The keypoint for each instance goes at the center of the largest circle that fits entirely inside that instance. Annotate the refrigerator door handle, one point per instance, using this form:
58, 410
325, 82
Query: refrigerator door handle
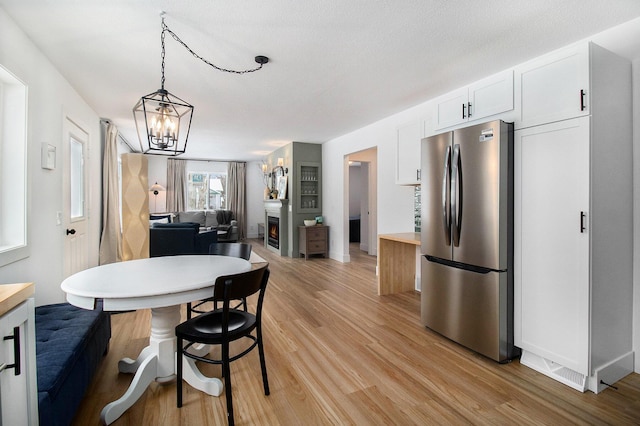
446, 185
456, 195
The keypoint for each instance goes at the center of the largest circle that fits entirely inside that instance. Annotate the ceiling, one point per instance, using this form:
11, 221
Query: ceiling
335, 65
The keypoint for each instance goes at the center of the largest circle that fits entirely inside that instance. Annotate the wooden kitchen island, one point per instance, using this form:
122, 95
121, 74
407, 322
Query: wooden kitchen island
398, 265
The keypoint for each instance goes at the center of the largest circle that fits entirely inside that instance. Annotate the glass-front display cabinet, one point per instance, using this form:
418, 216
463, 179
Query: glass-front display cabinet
309, 185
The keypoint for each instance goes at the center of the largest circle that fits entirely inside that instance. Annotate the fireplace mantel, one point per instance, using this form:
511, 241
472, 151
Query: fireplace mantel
273, 205
279, 209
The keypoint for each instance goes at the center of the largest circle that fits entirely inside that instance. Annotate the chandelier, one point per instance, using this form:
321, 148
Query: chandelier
163, 120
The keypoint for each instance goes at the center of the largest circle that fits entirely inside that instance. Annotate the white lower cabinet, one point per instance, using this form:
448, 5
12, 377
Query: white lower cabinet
573, 253
18, 384
552, 251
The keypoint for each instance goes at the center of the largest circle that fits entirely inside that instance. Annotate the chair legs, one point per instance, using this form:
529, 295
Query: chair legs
179, 371
263, 364
226, 373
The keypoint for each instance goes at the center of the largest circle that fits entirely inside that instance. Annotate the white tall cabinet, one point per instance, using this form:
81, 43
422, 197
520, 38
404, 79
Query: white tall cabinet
573, 216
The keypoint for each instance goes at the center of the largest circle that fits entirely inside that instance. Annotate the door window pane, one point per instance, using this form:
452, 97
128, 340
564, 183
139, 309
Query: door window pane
77, 178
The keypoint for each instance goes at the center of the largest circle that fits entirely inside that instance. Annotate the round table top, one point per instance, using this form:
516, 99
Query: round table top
150, 283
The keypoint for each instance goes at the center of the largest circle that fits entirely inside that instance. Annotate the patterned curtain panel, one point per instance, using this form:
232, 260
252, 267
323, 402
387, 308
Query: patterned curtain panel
236, 195
111, 238
176, 185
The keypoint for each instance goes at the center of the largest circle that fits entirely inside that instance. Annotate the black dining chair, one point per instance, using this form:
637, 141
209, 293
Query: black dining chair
225, 325
242, 250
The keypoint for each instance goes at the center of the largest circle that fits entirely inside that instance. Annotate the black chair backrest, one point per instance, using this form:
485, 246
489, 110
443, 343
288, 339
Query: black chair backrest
242, 250
242, 285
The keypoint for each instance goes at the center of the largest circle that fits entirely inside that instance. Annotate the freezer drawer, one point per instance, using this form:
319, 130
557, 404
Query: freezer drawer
473, 309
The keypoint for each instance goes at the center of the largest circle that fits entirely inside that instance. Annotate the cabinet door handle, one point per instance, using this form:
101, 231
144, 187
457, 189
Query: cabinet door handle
582, 104
16, 350
583, 227
418, 174
469, 109
464, 110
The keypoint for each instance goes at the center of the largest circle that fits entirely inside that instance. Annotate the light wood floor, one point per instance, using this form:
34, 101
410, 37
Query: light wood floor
339, 354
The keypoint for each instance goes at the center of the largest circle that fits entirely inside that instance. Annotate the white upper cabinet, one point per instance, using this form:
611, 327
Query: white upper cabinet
451, 109
554, 87
490, 96
408, 153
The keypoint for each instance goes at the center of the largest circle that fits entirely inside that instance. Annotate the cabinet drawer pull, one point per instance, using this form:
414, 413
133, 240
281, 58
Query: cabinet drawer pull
16, 351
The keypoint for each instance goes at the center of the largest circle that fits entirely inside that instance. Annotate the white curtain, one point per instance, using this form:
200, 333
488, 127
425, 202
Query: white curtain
176, 185
236, 195
111, 239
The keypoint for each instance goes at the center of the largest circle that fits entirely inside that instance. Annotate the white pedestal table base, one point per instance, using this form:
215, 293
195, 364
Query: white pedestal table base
156, 362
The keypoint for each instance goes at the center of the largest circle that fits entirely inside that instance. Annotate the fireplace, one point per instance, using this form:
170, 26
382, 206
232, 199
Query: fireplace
273, 233
276, 236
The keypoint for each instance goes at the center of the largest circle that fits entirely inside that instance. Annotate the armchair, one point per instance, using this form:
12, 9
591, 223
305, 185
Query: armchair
226, 222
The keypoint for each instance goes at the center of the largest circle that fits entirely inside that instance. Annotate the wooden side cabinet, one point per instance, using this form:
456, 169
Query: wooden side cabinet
313, 240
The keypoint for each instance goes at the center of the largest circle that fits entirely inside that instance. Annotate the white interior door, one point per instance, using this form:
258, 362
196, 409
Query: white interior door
75, 216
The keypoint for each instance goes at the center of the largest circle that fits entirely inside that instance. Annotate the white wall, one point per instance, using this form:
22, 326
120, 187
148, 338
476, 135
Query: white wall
50, 99
394, 202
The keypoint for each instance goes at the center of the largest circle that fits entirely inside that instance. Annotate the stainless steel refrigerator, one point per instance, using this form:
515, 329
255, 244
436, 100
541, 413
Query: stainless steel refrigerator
467, 237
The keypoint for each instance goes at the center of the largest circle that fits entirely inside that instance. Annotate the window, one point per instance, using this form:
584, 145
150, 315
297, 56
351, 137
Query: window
206, 190
13, 168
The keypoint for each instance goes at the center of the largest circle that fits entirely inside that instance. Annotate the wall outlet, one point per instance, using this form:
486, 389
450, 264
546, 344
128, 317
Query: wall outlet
58, 218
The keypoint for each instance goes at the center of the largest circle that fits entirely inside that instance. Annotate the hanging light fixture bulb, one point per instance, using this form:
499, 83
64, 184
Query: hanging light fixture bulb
163, 120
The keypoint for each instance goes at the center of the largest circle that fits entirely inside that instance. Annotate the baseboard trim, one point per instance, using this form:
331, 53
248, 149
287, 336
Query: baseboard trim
608, 373
611, 372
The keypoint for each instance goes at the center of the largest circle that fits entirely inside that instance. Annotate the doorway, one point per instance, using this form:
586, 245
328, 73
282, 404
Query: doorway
361, 208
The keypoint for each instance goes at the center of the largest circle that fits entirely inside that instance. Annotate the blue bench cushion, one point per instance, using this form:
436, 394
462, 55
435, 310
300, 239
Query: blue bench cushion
70, 343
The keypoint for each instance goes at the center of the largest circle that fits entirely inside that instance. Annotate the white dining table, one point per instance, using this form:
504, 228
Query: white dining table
161, 284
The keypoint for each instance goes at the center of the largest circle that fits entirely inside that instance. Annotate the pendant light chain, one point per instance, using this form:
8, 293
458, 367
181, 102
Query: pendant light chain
162, 42
165, 28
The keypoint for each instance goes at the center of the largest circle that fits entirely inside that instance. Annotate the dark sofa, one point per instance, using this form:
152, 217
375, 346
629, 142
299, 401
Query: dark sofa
70, 344
168, 239
222, 220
